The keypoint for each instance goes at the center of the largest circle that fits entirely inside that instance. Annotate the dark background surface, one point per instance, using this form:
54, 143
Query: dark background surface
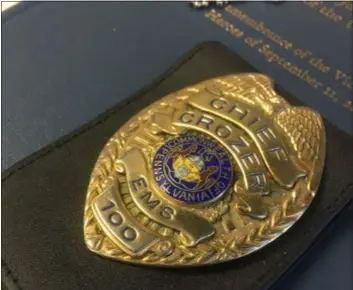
54, 52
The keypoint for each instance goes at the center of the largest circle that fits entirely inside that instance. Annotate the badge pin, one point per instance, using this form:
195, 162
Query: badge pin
205, 175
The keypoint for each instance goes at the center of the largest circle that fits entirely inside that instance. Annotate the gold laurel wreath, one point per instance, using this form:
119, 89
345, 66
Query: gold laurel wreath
220, 249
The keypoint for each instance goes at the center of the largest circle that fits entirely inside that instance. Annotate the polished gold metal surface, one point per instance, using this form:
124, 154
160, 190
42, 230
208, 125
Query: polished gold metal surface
207, 174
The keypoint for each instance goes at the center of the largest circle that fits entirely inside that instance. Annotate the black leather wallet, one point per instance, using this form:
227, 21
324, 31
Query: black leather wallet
44, 195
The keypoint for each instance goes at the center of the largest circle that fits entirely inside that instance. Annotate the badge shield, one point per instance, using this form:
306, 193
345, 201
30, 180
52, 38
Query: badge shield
207, 174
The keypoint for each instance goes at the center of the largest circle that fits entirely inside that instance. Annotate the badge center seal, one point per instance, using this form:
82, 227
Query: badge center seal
192, 169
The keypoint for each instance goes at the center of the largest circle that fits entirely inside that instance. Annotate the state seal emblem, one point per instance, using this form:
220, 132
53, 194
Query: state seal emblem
192, 169
207, 174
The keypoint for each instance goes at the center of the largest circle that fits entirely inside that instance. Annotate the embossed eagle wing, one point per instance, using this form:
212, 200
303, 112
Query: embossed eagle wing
253, 89
304, 130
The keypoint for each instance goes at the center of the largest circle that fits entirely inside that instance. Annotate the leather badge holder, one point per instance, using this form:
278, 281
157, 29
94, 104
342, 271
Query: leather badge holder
44, 196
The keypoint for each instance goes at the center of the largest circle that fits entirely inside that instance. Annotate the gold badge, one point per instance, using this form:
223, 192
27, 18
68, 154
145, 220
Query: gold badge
207, 174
